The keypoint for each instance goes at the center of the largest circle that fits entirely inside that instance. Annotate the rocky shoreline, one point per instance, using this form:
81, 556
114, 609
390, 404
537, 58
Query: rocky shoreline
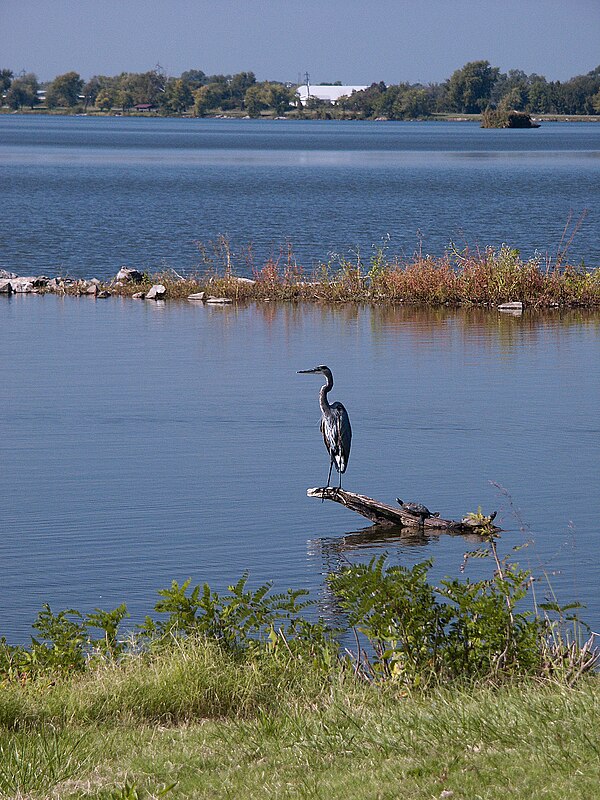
495, 281
10, 283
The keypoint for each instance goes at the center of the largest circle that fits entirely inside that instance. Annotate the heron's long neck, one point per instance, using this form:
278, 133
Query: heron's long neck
323, 401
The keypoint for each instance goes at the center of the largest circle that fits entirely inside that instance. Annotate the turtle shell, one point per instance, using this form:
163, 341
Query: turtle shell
416, 508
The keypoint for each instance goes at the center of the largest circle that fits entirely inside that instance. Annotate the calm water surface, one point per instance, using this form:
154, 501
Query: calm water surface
144, 442
85, 196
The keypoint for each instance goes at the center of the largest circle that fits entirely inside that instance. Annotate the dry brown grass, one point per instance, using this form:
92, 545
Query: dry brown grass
472, 278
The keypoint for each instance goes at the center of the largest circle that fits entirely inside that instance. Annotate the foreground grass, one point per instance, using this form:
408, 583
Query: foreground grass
194, 722
481, 278
454, 691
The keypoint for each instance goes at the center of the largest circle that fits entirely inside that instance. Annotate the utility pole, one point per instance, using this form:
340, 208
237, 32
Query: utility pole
161, 74
306, 78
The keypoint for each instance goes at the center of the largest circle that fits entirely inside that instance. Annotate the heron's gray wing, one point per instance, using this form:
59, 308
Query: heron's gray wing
324, 432
342, 435
328, 431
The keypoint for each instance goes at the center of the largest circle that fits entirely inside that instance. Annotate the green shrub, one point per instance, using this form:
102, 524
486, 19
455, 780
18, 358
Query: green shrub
421, 634
237, 620
417, 633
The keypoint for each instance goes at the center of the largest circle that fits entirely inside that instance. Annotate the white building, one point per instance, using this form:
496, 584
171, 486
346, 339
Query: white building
329, 94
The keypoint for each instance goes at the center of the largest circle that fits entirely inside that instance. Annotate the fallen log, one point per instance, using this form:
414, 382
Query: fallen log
384, 514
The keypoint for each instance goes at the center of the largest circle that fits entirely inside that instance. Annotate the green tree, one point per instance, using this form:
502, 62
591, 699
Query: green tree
507, 83
365, 103
177, 97
403, 101
254, 101
195, 78
514, 100
389, 102
105, 100
139, 87
64, 90
416, 102
149, 87
6, 77
207, 98
278, 96
239, 85
468, 89
314, 103
541, 97
91, 89
23, 91
124, 98
321, 109
574, 96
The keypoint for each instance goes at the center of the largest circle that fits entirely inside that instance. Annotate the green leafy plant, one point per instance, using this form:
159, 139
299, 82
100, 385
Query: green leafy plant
62, 640
421, 634
236, 620
108, 622
64, 643
396, 609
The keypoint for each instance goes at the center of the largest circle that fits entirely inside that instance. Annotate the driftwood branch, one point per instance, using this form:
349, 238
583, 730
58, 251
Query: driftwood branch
383, 514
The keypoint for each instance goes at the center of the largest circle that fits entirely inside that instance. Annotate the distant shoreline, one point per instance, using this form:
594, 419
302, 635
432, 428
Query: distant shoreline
293, 116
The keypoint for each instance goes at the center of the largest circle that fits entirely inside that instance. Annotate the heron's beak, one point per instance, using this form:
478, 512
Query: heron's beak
306, 371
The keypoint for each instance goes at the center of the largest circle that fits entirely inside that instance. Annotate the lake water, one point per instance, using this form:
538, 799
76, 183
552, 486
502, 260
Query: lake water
85, 196
142, 442
145, 442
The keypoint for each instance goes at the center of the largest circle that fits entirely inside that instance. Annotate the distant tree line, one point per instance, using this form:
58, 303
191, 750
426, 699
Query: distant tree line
473, 88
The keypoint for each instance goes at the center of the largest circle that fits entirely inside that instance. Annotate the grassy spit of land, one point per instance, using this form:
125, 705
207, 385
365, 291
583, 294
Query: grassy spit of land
200, 724
484, 278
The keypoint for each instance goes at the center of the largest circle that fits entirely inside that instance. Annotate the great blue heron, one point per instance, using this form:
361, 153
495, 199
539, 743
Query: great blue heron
335, 425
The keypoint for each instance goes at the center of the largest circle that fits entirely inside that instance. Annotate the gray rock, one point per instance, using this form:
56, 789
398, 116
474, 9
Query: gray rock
22, 286
156, 292
36, 281
5, 286
515, 306
92, 289
6, 274
104, 293
197, 296
138, 296
244, 280
129, 275
219, 301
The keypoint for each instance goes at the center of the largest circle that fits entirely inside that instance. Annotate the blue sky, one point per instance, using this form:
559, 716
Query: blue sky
347, 40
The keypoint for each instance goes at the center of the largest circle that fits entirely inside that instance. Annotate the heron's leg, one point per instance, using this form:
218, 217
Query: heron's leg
328, 480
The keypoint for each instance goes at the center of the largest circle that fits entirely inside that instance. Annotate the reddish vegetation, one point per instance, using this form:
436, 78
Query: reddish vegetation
484, 278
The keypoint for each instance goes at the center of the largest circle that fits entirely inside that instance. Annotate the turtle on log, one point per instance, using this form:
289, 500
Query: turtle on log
418, 509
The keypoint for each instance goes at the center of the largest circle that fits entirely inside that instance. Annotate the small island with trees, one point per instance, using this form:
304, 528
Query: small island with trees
494, 118
476, 90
